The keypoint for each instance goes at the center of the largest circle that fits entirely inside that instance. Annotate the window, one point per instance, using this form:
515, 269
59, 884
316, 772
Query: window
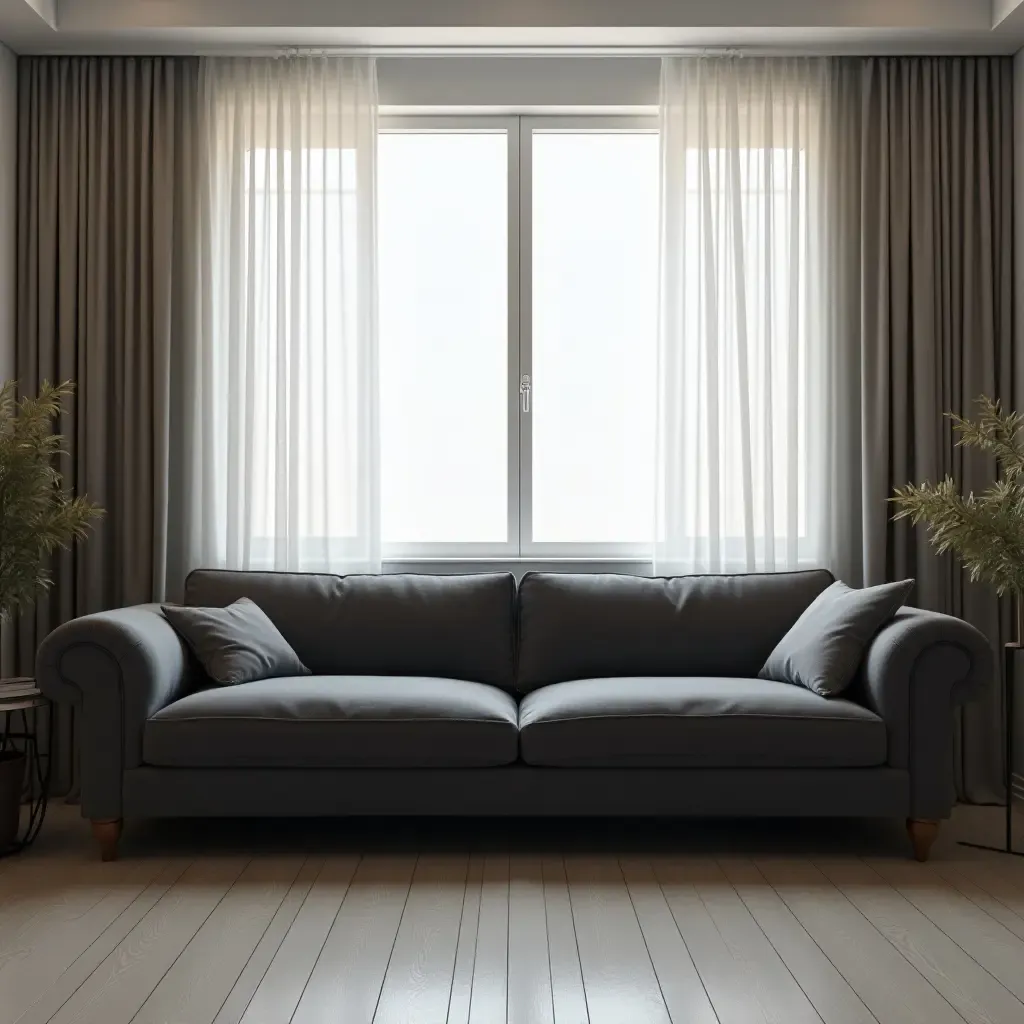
518, 262
443, 225
594, 222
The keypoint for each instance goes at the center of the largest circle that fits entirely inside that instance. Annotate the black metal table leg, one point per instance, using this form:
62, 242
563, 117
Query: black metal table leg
22, 732
1009, 653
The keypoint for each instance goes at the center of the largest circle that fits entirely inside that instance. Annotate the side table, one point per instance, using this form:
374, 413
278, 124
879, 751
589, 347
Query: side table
1010, 655
22, 705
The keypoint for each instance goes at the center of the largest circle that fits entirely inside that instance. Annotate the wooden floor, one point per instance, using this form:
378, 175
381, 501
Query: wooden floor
487, 922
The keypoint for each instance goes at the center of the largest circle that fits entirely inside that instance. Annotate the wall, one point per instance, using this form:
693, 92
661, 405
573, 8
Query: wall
1018, 166
519, 83
121, 15
8, 226
8, 234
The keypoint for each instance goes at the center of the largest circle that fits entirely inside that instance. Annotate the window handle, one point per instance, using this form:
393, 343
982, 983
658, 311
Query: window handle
524, 391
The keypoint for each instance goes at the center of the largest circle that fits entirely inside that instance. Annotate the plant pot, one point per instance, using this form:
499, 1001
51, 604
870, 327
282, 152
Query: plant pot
12, 786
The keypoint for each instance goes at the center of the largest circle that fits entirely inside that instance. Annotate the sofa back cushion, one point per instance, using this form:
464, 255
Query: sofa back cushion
453, 627
597, 626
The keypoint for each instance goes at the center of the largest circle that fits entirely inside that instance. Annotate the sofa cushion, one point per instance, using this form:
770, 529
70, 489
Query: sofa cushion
451, 627
591, 626
335, 722
695, 722
824, 648
237, 644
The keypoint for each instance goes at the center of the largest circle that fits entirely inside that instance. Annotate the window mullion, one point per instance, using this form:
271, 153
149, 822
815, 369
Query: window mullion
525, 340
515, 327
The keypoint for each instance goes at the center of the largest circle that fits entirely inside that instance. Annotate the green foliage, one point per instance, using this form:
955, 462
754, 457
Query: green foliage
38, 514
987, 530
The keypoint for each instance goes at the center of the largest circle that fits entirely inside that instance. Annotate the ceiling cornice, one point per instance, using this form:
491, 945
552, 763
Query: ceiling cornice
823, 26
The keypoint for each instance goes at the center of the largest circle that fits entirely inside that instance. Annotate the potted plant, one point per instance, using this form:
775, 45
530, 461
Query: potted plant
986, 531
38, 516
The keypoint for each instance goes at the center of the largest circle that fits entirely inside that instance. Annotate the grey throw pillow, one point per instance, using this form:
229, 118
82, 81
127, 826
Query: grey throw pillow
824, 648
237, 644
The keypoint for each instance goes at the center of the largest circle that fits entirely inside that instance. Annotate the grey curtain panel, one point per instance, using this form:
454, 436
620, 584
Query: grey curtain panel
929, 199
105, 296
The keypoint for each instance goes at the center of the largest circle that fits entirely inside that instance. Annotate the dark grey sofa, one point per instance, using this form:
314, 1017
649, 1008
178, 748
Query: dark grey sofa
468, 695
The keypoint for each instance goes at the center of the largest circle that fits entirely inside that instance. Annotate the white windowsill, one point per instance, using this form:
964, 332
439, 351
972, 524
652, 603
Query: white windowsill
518, 566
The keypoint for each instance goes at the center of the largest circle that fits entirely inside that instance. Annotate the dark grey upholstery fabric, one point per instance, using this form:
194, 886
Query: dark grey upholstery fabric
117, 668
824, 648
516, 789
917, 671
337, 721
695, 722
122, 667
453, 627
236, 644
591, 626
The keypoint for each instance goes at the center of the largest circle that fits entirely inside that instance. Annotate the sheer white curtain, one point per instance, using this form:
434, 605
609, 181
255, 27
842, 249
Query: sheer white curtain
743, 355
283, 434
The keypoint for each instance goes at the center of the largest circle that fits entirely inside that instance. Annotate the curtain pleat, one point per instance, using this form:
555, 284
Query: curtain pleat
106, 271
936, 331
743, 430
281, 436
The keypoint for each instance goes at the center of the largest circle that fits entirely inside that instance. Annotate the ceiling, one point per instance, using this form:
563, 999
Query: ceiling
218, 26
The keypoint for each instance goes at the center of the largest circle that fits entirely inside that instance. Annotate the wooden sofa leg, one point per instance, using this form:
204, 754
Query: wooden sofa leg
107, 834
922, 835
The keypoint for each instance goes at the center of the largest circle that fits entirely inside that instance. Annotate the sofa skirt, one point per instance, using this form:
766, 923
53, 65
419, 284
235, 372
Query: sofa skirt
516, 790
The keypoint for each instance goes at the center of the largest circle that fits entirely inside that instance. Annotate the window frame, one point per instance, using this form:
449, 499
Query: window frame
520, 550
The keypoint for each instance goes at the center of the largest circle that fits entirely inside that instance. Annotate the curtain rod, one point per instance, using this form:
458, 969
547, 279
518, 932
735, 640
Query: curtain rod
508, 51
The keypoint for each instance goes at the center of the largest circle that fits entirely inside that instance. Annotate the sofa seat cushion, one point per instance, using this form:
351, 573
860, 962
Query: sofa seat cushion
682, 722
337, 722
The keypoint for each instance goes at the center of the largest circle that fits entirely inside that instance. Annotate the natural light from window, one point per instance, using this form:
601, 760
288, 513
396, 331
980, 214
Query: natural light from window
443, 266
595, 322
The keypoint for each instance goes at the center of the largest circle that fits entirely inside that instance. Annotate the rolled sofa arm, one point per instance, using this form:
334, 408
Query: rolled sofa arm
918, 669
119, 668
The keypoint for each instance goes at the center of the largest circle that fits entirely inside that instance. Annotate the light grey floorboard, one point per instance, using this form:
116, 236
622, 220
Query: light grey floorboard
685, 995
827, 989
123, 982
418, 983
996, 948
759, 966
202, 976
35, 955
732, 998
465, 954
567, 993
977, 996
37, 894
529, 966
345, 985
234, 1007
488, 1001
986, 878
997, 907
49, 1000
281, 987
218, 923
886, 983
619, 977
